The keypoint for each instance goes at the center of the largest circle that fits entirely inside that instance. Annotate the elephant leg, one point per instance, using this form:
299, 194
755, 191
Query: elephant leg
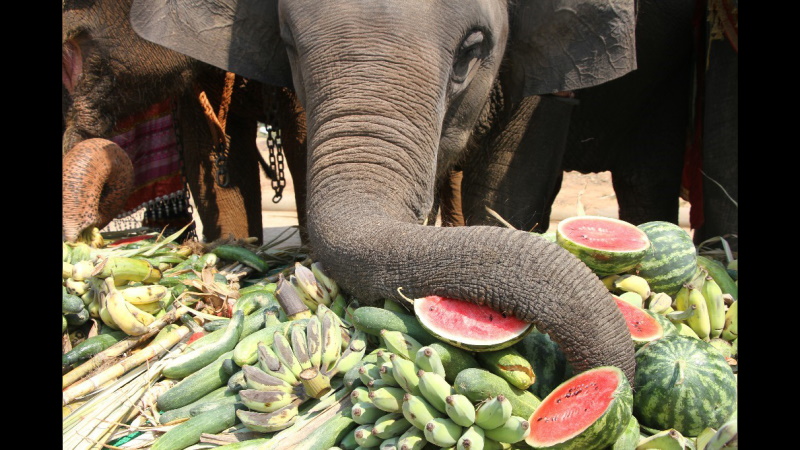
517, 172
721, 146
448, 200
293, 132
233, 210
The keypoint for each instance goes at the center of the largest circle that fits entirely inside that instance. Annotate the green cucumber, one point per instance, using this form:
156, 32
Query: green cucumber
372, 320
250, 444
212, 404
184, 411
91, 346
252, 323
329, 433
242, 255
196, 385
719, 273
510, 365
188, 433
479, 384
71, 304
188, 363
77, 319
255, 299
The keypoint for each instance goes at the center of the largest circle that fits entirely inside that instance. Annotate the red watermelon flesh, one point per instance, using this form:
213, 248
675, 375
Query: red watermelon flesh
609, 234
643, 327
468, 325
587, 411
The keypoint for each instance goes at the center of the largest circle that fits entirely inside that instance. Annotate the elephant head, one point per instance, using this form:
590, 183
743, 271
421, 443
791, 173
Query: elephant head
392, 91
95, 200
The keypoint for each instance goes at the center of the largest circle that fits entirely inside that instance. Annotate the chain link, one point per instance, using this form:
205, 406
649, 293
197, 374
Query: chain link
275, 146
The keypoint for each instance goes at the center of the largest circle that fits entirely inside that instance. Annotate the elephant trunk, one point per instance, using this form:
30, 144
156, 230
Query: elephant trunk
369, 185
97, 179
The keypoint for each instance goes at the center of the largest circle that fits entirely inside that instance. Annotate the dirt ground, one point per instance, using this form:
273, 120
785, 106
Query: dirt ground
592, 193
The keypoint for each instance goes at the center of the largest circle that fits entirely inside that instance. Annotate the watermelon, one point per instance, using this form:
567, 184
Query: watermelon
683, 383
644, 327
671, 261
467, 325
608, 246
547, 360
588, 411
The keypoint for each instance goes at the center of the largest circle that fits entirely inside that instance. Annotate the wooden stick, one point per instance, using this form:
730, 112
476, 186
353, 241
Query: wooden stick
120, 347
91, 384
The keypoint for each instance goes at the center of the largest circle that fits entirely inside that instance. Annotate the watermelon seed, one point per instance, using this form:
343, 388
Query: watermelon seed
491, 317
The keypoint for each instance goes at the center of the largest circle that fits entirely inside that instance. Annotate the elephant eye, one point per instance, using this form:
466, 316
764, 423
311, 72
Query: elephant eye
467, 55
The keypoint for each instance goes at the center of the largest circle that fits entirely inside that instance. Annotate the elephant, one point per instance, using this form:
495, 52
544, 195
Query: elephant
636, 126
393, 92
120, 87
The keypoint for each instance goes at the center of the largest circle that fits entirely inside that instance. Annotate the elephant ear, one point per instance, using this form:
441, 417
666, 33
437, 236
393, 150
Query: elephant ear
240, 36
562, 45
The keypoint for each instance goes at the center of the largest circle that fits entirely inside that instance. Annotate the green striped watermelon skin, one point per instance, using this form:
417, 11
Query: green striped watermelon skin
604, 431
621, 245
671, 260
683, 383
548, 361
666, 324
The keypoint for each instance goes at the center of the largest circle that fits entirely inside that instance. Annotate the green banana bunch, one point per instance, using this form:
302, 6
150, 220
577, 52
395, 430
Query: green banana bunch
715, 304
730, 330
632, 283
690, 298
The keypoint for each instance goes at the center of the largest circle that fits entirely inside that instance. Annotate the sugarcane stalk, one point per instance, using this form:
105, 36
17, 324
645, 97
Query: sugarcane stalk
121, 347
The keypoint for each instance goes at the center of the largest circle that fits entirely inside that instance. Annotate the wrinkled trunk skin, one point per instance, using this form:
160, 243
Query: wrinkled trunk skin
371, 179
94, 200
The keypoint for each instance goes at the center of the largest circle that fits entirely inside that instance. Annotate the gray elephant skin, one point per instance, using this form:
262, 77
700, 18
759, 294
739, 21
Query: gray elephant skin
393, 92
110, 74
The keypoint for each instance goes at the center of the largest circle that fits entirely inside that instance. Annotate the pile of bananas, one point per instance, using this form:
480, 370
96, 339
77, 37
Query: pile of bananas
405, 402
297, 367
700, 308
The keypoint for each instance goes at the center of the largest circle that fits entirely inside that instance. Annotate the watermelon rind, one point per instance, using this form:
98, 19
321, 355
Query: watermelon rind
602, 261
468, 339
603, 431
683, 383
671, 260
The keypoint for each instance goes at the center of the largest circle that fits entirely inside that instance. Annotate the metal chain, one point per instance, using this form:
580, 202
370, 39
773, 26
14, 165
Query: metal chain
275, 146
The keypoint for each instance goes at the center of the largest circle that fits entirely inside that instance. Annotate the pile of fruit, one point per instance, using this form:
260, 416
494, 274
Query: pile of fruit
287, 360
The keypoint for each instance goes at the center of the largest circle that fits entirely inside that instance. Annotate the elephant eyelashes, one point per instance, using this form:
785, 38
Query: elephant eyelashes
468, 53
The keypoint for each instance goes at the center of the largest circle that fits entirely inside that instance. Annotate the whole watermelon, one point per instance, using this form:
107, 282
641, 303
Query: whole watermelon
671, 260
683, 383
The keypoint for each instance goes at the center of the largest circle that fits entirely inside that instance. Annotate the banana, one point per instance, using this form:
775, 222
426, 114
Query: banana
390, 425
429, 360
699, 322
681, 300
322, 277
388, 398
460, 409
66, 270
76, 287
348, 442
715, 305
271, 364
365, 437
679, 316
265, 401
300, 347
670, 439
632, 298
369, 372
659, 303
269, 422
727, 436
127, 317
435, 389
731, 329
686, 330
82, 270
365, 413
608, 281
388, 444
633, 283
144, 294
471, 439
417, 410
283, 350
124, 269
359, 394
354, 352
105, 316
405, 373
387, 376
314, 341
493, 412
442, 432
412, 439
400, 343
255, 378
306, 280
512, 431
331, 340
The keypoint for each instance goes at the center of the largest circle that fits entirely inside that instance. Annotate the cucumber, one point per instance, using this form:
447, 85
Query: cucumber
478, 384
196, 385
255, 299
91, 347
212, 404
188, 363
372, 320
184, 411
252, 323
510, 365
71, 304
329, 433
250, 444
246, 351
242, 255
188, 433
454, 359
77, 319
214, 325
720, 274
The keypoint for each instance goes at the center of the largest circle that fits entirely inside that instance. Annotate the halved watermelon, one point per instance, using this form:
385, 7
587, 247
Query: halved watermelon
468, 325
588, 411
643, 326
608, 246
